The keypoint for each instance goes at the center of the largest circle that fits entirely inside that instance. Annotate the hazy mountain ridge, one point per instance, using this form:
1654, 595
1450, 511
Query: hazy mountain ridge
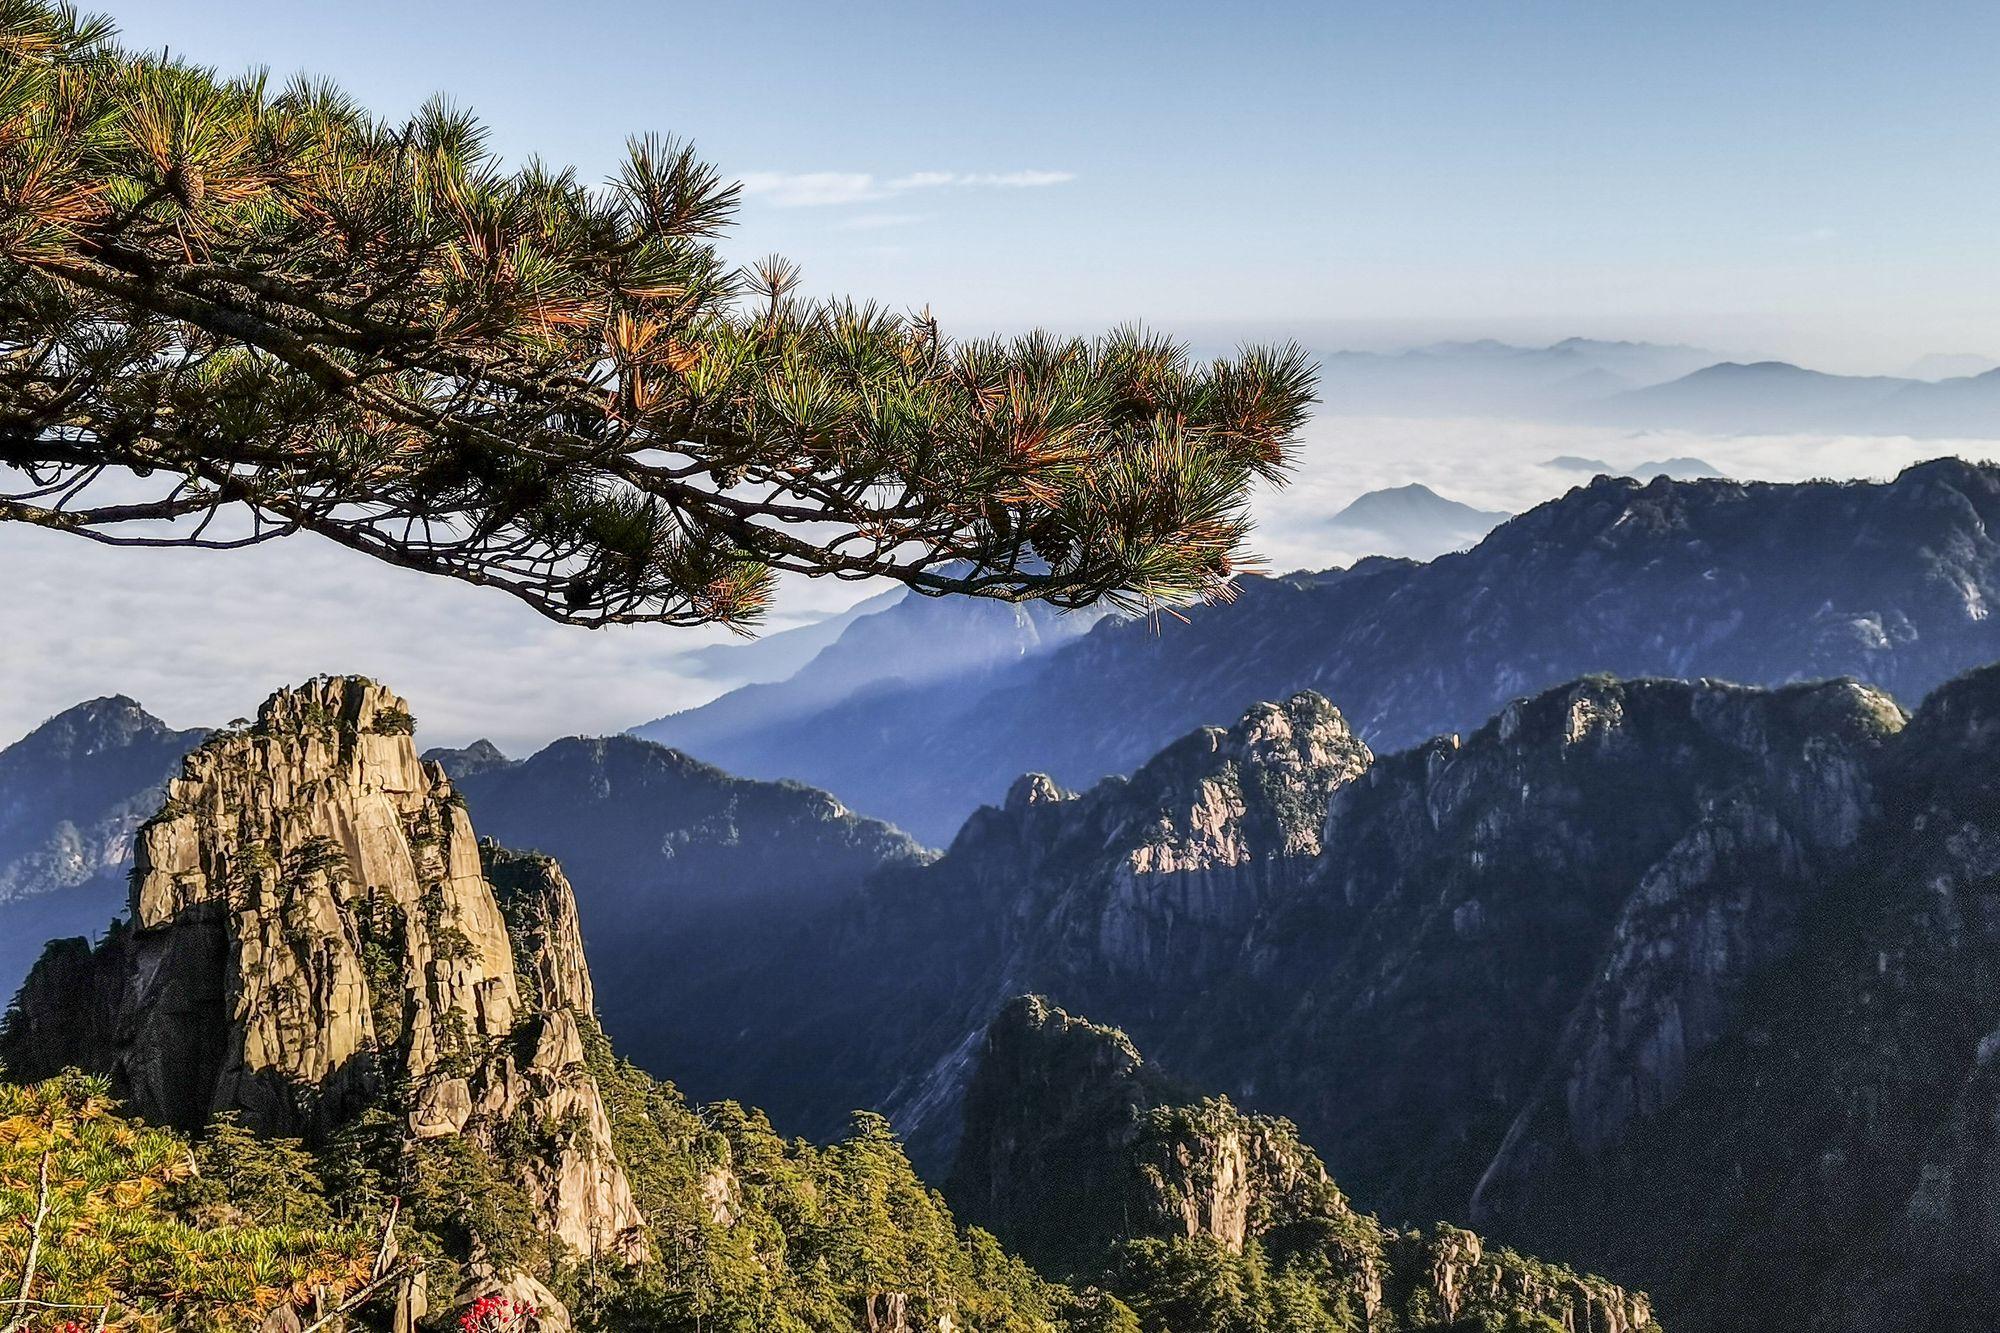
672, 857
1776, 397
1492, 378
72, 794
1750, 581
913, 643
1663, 387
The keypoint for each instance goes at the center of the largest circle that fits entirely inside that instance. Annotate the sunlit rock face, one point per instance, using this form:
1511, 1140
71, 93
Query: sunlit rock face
311, 930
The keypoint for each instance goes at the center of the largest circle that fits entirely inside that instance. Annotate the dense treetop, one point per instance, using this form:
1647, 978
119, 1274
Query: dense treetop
231, 311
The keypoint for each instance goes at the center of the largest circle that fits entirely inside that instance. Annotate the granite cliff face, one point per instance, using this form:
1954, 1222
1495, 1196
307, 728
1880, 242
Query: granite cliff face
1065, 1121
1127, 897
1762, 583
1283, 916
312, 935
1583, 884
1475, 973
72, 792
1833, 1148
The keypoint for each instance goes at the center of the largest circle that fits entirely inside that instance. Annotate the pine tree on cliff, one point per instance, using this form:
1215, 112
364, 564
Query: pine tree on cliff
230, 312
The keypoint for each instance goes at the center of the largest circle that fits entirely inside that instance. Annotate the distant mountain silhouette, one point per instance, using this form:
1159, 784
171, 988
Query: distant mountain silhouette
775, 656
1495, 378
1776, 397
1682, 467
1413, 521
1950, 365
914, 641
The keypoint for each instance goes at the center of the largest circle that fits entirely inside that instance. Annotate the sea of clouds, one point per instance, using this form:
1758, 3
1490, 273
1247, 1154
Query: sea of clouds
200, 637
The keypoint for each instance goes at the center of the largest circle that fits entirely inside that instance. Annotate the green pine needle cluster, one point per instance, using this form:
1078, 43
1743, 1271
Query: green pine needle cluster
296, 316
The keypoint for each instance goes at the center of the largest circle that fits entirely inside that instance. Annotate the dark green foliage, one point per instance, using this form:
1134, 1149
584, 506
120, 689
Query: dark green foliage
105, 1221
394, 722
244, 1179
752, 1232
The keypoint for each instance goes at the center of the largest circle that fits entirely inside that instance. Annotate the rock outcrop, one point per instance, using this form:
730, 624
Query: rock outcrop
1075, 1149
1473, 972
312, 935
1831, 1152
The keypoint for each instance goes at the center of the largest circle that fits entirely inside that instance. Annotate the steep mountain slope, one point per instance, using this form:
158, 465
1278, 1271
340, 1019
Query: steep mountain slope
914, 642
71, 794
1078, 1147
1130, 899
482, 756
1689, 984
319, 947
676, 860
1835, 1149
1891, 583
1283, 917
777, 656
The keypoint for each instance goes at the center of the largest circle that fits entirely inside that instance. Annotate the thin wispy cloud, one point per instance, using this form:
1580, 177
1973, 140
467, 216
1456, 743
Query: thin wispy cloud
820, 189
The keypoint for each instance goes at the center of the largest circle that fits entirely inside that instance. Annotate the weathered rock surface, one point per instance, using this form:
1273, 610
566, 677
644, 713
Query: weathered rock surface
1831, 1153
1479, 967
311, 929
1132, 898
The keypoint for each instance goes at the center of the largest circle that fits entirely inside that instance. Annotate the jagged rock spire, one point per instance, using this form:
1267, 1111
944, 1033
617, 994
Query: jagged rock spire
313, 934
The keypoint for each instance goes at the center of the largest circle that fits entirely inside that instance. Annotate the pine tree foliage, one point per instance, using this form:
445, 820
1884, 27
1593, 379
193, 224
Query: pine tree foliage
753, 1233
231, 311
90, 1236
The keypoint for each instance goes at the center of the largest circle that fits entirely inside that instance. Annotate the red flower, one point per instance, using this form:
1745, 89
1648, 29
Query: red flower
496, 1314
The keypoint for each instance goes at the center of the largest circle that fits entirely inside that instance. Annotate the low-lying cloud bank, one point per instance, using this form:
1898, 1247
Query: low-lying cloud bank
199, 637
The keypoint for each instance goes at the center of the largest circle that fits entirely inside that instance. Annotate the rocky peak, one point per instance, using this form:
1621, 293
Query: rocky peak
1961, 718
70, 791
1050, 1158
1033, 789
1245, 799
482, 756
312, 934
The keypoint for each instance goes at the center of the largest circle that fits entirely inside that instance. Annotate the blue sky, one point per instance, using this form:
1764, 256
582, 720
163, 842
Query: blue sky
1810, 180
